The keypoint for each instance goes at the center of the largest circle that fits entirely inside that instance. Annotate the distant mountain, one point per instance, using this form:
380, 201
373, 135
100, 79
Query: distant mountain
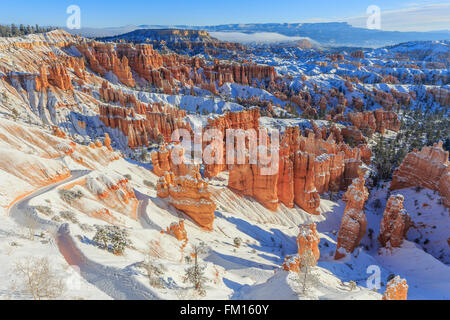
167, 35
334, 33
328, 34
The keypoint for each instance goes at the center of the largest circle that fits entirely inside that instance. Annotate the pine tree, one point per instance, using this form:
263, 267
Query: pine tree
195, 274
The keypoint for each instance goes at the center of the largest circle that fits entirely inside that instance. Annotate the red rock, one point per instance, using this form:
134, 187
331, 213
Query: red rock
107, 142
158, 121
308, 239
306, 195
395, 223
58, 77
161, 161
247, 179
358, 54
440, 95
396, 289
58, 132
428, 168
354, 222
177, 230
162, 70
190, 195
378, 120
292, 263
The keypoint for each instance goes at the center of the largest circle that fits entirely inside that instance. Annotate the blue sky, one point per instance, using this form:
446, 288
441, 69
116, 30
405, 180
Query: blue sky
398, 14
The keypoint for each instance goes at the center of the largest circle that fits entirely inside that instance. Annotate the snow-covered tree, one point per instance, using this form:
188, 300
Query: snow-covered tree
112, 237
305, 276
195, 274
37, 278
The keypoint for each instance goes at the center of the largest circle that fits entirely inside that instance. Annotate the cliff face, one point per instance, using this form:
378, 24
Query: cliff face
103, 58
169, 71
395, 223
428, 168
138, 121
396, 289
308, 166
354, 222
306, 195
162, 162
378, 120
190, 195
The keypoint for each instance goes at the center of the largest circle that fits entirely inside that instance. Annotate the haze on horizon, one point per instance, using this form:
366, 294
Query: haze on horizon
402, 15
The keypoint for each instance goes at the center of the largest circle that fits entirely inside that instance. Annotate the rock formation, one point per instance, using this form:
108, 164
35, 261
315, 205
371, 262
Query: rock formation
190, 195
306, 195
428, 168
140, 122
354, 222
177, 230
395, 223
396, 289
308, 239
378, 120
308, 249
168, 71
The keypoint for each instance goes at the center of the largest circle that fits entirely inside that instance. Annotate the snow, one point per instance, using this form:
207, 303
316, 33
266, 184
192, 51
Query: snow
30, 154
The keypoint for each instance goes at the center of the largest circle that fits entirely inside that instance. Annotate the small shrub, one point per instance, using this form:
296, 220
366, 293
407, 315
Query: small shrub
38, 279
69, 216
154, 273
112, 238
237, 242
57, 219
70, 196
44, 210
149, 184
86, 227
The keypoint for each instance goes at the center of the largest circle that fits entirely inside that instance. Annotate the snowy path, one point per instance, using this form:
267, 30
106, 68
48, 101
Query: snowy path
142, 212
117, 283
20, 210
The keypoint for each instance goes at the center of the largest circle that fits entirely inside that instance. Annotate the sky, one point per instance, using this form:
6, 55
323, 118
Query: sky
402, 15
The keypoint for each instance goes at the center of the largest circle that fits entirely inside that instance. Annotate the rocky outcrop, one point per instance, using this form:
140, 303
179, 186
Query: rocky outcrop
140, 122
440, 95
107, 142
308, 249
305, 192
428, 168
358, 54
169, 71
245, 120
308, 166
177, 230
247, 179
56, 75
162, 162
308, 240
354, 222
396, 289
103, 58
395, 223
190, 195
378, 120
